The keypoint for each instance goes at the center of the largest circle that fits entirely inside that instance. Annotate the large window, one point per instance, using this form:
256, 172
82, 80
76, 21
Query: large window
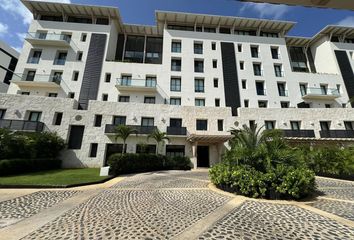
175, 85
176, 122
147, 122
202, 125
198, 48
298, 59
254, 51
134, 49
199, 85
34, 57
176, 65
176, 46
198, 66
260, 88
119, 120
153, 50
34, 116
150, 82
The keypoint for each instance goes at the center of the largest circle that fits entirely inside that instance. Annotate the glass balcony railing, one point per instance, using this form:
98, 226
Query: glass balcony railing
110, 129
337, 133
321, 93
139, 83
33, 60
37, 78
48, 36
59, 61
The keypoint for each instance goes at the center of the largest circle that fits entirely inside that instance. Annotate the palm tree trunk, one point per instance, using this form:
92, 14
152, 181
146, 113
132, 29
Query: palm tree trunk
123, 148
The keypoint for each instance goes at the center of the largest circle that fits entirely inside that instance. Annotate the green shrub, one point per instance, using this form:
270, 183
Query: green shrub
132, 163
18, 166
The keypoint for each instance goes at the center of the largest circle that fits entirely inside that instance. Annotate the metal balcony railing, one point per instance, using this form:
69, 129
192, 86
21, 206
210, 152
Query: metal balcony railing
337, 133
140, 129
181, 131
299, 133
22, 125
136, 83
48, 36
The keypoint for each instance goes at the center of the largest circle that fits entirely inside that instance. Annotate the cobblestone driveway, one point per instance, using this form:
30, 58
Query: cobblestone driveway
167, 205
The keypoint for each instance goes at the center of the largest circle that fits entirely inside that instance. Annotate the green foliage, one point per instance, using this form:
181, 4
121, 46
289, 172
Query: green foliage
123, 132
132, 163
17, 166
159, 137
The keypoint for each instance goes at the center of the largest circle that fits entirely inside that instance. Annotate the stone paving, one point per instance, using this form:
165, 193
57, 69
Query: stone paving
28, 205
162, 205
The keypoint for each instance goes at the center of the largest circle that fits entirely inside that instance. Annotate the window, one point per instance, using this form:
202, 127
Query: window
105, 97
239, 47
348, 125
262, 104
126, 80
254, 51
102, 21
124, 99
175, 85
298, 59
224, 30
284, 104
175, 101
199, 29
175, 150
176, 65
246, 103
147, 122
252, 123
153, 51
210, 29
328, 105
323, 89
75, 137
2, 113
217, 102
244, 84
199, 85
35, 57
242, 65
198, 66
215, 63
57, 77
150, 82
202, 125
75, 75
58, 116
295, 125
83, 37
198, 48
269, 34
338, 88
200, 102
325, 125
213, 46
149, 100
303, 89
181, 27
71, 95
275, 52
108, 77
176, 122
146, 148
176, 46
257, 69
220, 125
34, 116
52, 94
278, 71
216, 82
134, 49
79, 56
98, 120
30, 75
260, 89
61, 58
281, 89
119, 120
25, 93
244, 33
93, 150
269, 125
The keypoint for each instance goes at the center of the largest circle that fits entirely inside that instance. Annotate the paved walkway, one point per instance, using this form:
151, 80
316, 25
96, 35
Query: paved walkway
173, 205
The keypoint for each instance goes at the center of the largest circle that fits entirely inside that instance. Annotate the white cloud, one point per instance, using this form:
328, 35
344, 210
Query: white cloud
21, 36
18, 49
16, 8
3, 28
348, 21
274, 11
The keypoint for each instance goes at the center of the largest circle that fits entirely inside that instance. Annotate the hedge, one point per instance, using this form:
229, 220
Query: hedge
134, 163
18, 166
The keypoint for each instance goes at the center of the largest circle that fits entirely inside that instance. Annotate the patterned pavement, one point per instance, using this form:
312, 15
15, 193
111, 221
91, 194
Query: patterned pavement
162, 205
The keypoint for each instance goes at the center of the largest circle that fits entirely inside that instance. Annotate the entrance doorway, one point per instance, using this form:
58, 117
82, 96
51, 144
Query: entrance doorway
203, 156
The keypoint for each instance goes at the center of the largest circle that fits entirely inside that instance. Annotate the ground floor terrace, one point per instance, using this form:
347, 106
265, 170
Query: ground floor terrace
172, 205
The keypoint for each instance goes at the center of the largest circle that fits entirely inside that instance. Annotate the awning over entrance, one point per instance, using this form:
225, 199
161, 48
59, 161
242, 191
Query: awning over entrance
208, 138
300, 140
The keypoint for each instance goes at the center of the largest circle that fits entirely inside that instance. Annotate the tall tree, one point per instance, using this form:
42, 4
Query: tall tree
159, 137
123, 132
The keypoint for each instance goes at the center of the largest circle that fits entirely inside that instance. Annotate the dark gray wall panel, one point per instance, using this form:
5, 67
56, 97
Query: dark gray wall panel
346, 71
231, 86
75, 137
120, 46
93, 69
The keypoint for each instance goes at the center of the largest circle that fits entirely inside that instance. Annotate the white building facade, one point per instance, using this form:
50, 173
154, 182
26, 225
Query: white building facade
8, 61
82, 71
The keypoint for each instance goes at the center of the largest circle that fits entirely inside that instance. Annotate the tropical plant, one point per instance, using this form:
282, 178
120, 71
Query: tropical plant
159, 137
123, 132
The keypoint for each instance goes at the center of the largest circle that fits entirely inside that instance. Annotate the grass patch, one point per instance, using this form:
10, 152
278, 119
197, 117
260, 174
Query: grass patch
60, 177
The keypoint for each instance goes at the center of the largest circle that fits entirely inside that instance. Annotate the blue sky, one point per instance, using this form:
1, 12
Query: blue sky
15, 18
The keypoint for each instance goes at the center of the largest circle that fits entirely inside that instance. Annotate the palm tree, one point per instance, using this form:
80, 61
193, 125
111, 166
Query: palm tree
123, 132
159, 137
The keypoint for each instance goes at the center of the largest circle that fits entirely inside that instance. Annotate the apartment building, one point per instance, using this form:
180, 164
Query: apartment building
82, 71
342, 4
8, 61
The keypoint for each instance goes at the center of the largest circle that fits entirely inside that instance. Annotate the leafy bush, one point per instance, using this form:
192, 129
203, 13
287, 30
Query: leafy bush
132, 163
17, 166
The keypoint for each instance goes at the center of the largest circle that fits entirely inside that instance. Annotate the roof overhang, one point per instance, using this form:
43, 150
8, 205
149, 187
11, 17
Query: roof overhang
223, 21
209, 138
142, 29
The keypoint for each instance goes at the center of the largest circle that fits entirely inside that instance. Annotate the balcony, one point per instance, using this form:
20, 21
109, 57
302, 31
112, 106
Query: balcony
136, 85
337, 133
22, 125
48, 39
299, 133
38, 80
109, 129
320, 93
33, 60
177, 131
